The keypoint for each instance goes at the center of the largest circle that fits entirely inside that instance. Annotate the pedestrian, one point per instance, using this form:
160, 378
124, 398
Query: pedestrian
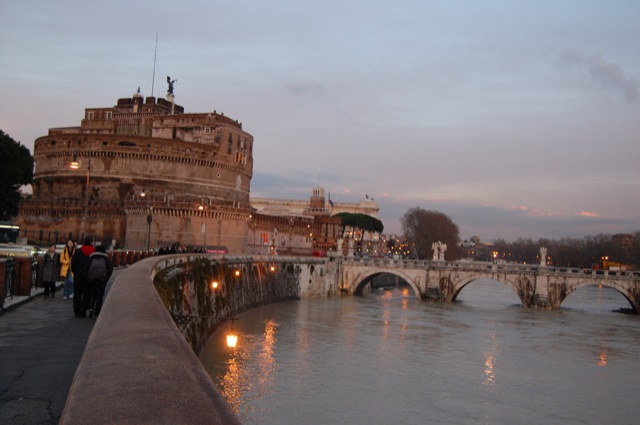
50, 271
79, 263
99, 271
66, 275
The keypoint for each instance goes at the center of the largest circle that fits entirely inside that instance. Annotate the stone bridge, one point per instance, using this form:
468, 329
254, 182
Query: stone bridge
537, 286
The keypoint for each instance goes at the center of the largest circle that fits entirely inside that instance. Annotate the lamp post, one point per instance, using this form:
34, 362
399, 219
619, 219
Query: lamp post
149, 217
75, 166
203, 208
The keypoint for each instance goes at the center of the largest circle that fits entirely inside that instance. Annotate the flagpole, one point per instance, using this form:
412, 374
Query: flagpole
155, 54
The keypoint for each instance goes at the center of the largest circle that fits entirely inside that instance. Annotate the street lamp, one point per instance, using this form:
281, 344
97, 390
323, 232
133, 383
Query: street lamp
232, 336
149, 217
75, 166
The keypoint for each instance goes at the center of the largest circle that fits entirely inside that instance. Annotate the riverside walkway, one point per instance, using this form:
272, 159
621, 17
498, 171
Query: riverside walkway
41, 344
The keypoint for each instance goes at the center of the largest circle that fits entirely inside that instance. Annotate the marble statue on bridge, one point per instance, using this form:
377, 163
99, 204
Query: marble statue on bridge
439, 249
543, 256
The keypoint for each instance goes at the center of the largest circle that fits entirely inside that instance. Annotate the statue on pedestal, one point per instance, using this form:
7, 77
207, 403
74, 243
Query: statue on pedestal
171, 83
543, 256
339, 249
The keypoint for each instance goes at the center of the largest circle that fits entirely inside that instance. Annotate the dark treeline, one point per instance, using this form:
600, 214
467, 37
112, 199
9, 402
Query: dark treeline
568, 252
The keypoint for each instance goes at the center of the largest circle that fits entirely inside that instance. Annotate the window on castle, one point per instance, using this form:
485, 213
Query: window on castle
90, 115
207, 130
241, 158
109, 115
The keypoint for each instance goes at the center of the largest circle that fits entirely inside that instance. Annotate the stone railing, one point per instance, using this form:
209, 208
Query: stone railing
489, 267
139, 367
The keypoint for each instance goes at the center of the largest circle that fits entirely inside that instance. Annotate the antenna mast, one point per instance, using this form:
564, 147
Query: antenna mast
155, 53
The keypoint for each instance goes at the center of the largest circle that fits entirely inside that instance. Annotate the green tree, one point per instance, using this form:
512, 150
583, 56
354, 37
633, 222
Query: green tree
421, 228
16, 169
363, 222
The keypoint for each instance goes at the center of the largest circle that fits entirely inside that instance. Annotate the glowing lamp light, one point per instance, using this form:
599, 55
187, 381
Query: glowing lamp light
74, 165
232, 339
237, 273
272, 268
214, 285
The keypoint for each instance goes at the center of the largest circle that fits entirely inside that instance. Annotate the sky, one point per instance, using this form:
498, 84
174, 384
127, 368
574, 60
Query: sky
514, 118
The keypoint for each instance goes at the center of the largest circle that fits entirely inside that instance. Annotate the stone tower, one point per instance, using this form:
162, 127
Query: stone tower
148, 175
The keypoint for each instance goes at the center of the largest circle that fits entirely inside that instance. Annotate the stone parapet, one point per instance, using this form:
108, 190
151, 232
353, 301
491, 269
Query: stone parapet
137, 367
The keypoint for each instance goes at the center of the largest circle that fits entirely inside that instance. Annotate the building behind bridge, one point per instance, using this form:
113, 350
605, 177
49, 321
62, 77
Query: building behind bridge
300, 227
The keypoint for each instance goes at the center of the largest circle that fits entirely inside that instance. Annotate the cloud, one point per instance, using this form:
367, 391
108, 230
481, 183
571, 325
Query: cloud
608, 74
588, 214
534, 212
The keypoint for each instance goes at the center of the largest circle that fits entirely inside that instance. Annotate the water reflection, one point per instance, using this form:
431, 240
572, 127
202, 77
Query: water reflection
490, 379
489, 363
231, 386
266, 362
390, 358
603, 358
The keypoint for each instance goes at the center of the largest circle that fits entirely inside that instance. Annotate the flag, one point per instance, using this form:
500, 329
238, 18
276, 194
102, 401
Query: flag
330, 201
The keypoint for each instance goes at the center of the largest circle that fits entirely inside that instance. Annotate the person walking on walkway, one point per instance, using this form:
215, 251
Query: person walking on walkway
65, 270
99, 271
50, 271
79, 263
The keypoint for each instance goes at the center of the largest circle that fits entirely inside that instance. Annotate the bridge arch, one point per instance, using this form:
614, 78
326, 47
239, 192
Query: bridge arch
536, 286
357, 283
626, 291
459, 285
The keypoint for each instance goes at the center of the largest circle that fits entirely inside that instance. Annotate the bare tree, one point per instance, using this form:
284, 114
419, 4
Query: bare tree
421, 228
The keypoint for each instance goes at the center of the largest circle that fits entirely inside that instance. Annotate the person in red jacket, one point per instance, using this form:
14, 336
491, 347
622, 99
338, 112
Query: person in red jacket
79, 264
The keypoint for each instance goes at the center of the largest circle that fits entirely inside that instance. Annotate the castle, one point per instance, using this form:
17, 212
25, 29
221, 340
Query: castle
147, 174
144, 174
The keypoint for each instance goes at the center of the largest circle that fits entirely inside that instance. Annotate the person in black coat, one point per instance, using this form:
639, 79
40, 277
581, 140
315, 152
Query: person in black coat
96, 288
79, 263
50, 271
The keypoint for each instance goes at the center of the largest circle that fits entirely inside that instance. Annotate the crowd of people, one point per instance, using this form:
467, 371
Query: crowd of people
85, 271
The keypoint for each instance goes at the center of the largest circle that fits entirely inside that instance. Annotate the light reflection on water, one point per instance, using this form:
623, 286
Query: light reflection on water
390, 358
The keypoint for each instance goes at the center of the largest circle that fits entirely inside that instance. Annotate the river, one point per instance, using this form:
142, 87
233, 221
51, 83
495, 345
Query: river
388, 358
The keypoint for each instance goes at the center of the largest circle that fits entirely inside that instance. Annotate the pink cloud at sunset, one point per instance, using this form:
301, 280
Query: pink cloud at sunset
588, 214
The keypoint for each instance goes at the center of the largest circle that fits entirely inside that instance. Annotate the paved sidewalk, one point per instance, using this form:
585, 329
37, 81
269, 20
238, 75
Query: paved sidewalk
41, 343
